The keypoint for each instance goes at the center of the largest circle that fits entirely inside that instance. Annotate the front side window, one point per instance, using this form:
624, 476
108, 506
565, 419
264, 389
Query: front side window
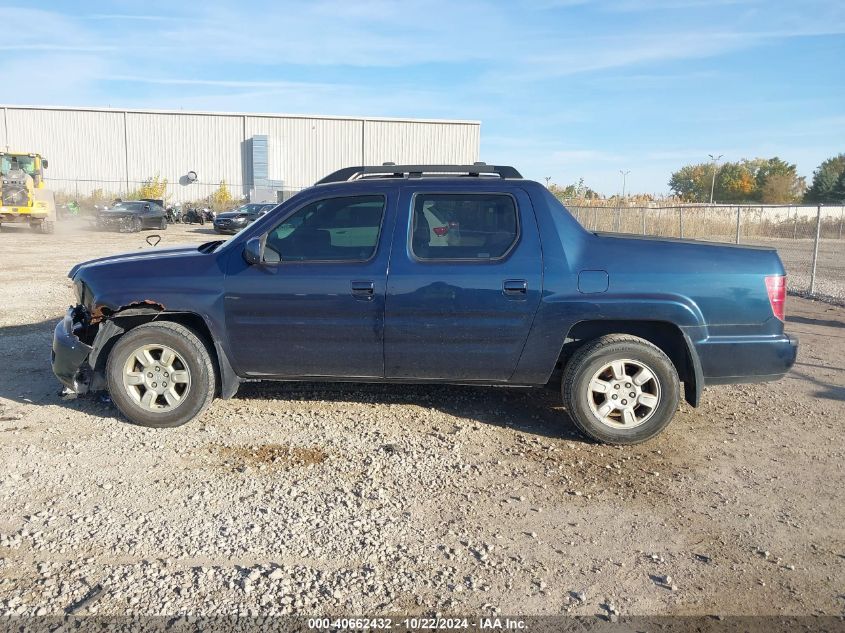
463, 226
334, 229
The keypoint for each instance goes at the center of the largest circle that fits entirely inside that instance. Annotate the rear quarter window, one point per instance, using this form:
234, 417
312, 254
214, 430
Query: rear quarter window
471, 227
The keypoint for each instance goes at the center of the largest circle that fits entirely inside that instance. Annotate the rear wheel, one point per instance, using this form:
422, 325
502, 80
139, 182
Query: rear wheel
160, 375
162, 225
48, 227
620, 389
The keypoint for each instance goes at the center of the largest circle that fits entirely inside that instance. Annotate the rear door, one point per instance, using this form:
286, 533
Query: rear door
464, 282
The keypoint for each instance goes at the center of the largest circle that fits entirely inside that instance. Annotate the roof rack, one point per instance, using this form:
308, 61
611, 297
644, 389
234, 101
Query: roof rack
391, 170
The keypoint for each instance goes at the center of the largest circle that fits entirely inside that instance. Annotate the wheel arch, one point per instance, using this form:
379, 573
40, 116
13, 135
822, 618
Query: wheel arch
666, 335
122, 321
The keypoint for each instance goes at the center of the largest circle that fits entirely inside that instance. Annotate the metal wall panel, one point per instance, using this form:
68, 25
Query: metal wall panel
79, 145
171, 145
412, 142
115, 150
303, 150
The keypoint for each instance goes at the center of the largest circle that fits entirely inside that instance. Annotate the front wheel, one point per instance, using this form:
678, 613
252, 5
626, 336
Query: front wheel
620, 389
160, 375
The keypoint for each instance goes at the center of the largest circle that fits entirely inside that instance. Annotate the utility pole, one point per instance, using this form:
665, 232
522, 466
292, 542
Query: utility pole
624, 173
715, 160
548, 178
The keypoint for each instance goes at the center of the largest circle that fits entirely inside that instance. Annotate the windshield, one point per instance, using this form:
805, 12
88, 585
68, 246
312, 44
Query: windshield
248, 208
8, 162
129, 206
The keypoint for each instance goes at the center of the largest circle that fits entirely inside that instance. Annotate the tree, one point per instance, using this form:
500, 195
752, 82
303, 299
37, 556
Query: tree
222, 197
154, 188
781, 188
825, 181
838, 192
692, 182
770, 180
735, 182
573, 191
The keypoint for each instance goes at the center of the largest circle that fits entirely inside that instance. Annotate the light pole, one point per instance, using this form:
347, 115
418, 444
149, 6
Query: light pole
715, 160
624, 173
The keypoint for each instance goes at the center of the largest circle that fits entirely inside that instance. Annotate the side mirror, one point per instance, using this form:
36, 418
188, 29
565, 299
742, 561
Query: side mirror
254, 251
44, 163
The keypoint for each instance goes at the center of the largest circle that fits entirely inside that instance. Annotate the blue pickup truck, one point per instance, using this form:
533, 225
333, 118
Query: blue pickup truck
464, 274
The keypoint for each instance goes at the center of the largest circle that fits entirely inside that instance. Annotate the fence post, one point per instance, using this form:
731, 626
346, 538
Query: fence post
738, 211
795, 225
681, 222
841, 219
643, 214
816, 249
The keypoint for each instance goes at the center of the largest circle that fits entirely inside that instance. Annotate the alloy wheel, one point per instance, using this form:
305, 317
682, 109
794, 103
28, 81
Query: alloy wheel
624, 393
156, 377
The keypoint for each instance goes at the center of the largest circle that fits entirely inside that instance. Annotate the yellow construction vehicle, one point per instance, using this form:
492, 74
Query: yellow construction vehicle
24, 196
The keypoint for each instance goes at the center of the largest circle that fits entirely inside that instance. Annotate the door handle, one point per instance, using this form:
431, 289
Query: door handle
363, 290
515, 288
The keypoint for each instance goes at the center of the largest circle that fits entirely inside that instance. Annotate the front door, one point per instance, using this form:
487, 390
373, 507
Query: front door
316, 305
464, 284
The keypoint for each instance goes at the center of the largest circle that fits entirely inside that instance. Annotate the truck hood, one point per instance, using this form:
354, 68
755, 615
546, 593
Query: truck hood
144, 256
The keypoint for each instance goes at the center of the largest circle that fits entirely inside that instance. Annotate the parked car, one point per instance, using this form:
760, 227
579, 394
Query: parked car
234, 221
351, 281
132, 216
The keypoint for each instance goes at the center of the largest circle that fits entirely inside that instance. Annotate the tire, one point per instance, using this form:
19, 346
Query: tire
162, 225
614, 362
169, 405
48, 227
137, 225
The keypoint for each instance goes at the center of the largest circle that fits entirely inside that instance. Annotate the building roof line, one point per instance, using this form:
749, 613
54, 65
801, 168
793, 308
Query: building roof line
273, 115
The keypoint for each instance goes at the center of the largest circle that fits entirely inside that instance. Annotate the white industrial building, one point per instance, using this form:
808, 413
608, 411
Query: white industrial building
257, 155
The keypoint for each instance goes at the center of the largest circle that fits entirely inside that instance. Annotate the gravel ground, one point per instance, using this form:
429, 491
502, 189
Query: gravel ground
341, 499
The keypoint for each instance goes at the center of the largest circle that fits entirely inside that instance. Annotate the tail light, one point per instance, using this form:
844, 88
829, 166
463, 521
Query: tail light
776, 287
440, 230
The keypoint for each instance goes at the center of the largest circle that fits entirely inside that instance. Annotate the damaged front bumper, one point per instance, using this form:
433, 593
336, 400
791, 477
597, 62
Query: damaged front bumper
70, 354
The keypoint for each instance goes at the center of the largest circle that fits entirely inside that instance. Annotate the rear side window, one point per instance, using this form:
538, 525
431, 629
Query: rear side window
334, 229
463, 226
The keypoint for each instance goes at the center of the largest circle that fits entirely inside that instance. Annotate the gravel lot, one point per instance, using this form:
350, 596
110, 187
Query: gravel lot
339, 499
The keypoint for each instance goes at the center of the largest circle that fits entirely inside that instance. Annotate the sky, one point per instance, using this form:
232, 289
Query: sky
565, 89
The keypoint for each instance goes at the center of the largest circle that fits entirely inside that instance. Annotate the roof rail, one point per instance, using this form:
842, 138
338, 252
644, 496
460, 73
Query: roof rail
391, 170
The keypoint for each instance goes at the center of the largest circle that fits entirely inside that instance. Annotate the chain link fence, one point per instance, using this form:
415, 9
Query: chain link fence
809, 239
